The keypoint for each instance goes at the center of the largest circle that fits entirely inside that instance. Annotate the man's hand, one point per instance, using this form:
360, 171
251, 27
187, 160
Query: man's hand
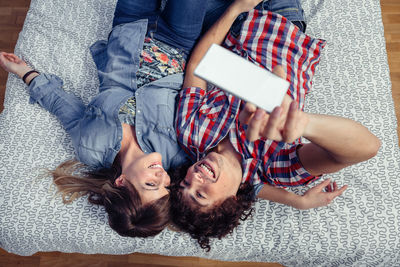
316, 197
246, 5
285, 123
11, 63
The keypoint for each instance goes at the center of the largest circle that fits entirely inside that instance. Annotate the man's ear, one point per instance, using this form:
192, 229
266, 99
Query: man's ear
120, 181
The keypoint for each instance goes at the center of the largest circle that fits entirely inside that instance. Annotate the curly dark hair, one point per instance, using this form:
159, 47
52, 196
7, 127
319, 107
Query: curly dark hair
217, 221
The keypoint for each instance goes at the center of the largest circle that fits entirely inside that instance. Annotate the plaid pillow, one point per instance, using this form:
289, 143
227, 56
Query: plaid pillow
268, 39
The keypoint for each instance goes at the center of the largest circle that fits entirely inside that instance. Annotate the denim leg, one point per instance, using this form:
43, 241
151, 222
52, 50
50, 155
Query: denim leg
215, 9
180, 23
290, 9
131, 10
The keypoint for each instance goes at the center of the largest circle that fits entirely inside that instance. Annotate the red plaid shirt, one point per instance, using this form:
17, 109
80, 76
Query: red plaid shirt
206, 117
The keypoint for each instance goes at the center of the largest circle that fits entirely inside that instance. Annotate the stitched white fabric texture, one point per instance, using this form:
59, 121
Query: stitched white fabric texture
361, 228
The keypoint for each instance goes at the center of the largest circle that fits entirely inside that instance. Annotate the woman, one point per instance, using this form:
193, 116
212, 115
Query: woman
240, 152
125, 139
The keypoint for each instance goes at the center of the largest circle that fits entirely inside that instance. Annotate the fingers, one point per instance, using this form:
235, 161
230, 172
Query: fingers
279, 71
12, 58
328, 188
333, 191
271, 129
247, 113
335, 187
7, 58
338, 192
323, 184
255, 125
3, 60
289, 133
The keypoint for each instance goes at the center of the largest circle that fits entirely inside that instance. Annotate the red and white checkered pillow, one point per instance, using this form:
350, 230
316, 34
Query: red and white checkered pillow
268, 39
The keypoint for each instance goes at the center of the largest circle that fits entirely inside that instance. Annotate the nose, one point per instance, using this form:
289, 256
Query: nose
199, 178
156, 156
163, 178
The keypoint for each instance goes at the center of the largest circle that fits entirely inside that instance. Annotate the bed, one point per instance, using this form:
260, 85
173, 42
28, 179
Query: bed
361, 228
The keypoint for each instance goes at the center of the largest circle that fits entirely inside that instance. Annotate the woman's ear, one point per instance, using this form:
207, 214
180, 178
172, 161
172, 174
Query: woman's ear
120, 180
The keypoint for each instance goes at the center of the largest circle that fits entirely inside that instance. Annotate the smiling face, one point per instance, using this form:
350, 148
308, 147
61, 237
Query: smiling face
147, 175
211, 180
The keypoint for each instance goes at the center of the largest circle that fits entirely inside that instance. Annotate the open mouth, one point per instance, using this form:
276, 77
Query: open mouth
207, 168
155, 166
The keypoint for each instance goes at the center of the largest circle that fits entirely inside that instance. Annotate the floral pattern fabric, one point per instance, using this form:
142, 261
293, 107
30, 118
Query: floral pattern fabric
157, 60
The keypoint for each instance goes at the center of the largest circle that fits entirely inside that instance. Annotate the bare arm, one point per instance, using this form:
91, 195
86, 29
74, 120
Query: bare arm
335, 143
313, 198
216, 34
11, 63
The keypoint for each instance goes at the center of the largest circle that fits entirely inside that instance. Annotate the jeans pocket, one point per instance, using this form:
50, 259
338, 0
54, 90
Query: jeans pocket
290, 9
237, 24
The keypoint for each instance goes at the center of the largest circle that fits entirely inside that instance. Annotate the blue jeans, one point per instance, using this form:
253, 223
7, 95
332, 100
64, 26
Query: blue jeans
290, 9
179, 24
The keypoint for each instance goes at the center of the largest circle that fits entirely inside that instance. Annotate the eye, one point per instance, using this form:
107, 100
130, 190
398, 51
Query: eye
185, 183
150, 184
199, 195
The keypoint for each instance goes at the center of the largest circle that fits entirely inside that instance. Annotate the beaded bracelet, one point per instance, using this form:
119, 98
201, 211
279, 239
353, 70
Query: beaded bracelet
27, 74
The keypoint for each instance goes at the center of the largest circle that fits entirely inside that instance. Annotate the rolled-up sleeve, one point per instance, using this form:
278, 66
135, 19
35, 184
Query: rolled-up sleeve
46, 90
186, 118
117, 59
286, 169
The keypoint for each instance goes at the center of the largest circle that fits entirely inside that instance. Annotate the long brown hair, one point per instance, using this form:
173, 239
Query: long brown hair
126, 213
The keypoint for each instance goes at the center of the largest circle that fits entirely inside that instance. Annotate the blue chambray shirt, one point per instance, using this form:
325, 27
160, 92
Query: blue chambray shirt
95, 129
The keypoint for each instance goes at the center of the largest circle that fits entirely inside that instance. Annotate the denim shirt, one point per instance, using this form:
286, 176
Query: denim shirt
95, 129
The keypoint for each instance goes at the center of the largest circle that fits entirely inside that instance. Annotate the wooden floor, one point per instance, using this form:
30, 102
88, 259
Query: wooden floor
12, 15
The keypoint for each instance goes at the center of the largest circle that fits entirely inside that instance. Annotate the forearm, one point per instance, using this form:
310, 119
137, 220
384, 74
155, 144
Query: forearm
216, 35
46, 90
337, 143
280, 195
23, 70
317, 196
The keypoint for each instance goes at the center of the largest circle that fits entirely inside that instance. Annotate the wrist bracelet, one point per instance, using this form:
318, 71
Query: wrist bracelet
27, 74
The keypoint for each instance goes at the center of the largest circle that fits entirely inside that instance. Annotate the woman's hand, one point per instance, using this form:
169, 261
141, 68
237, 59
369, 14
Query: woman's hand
316, 197
11, 63
246, 5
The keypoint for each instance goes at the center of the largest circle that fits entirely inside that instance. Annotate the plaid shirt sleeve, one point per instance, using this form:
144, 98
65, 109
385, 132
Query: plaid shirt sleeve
204, 118
190, 100
286, 170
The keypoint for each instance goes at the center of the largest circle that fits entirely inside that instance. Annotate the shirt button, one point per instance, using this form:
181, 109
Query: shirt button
138, 133
138, 111
145, 151
232, 116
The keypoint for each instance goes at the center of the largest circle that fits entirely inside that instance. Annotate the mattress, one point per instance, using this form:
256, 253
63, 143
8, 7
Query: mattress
360, 228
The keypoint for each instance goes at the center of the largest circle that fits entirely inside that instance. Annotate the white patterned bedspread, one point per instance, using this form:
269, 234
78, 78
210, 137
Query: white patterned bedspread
361, 228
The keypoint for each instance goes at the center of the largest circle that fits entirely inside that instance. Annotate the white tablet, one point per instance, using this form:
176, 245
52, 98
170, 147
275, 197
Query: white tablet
242, 78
